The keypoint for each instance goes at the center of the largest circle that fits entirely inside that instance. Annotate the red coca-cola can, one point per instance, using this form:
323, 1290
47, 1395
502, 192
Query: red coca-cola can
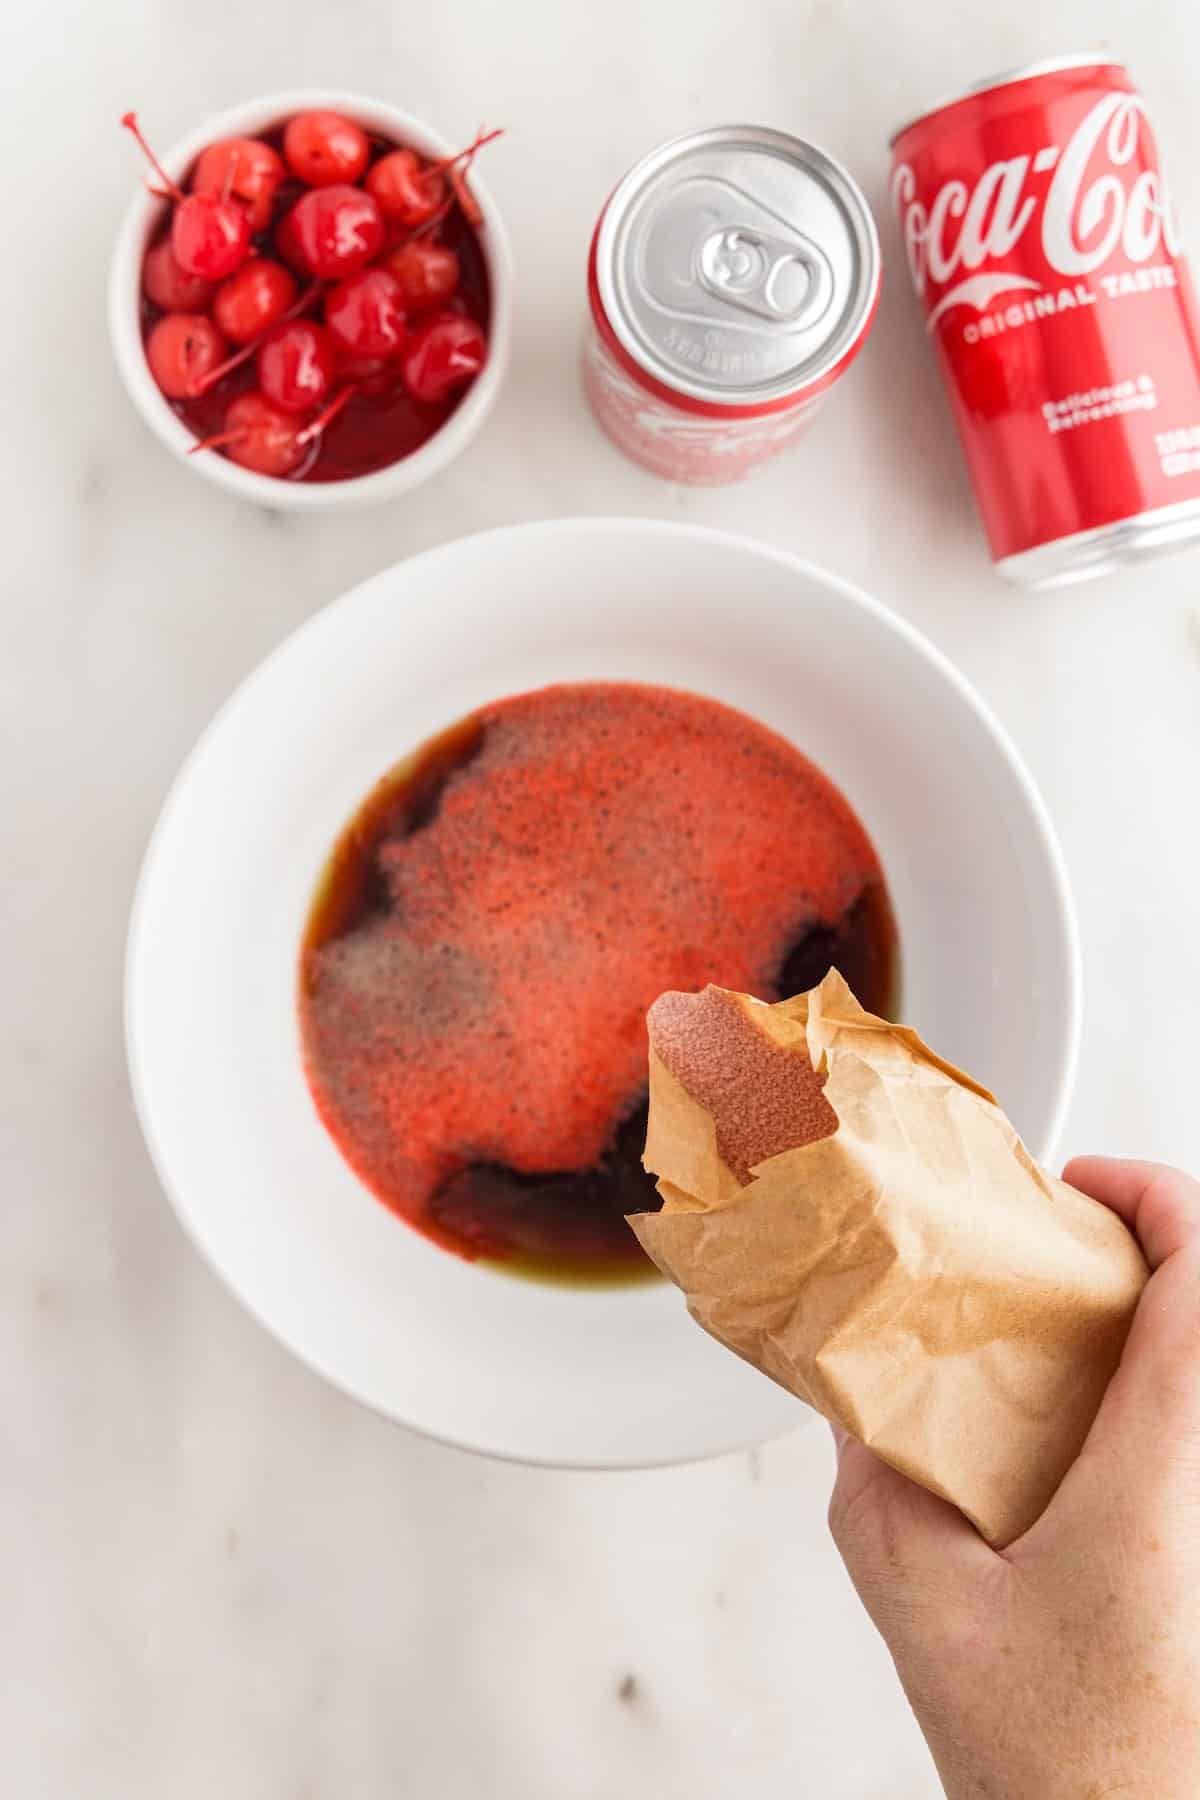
733, 277
1041, 239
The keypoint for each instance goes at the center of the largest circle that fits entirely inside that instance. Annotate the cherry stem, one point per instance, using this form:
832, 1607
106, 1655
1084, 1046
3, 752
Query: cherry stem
221, 370
329, 415
314, 430
468, 155
459, 191
431, 223
174, 191
457, 177
468, 204
303, 300
215, 443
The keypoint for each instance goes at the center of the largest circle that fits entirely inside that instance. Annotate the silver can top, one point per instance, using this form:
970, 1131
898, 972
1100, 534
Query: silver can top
737, 265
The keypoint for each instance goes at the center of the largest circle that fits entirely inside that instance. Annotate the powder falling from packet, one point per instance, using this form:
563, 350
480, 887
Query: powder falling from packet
762, 1097
859, 1220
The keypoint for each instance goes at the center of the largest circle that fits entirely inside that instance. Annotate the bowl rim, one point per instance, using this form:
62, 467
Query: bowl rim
124, 288
1060, 1086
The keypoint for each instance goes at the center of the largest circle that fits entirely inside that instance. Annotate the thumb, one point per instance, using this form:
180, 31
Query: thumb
910, 1555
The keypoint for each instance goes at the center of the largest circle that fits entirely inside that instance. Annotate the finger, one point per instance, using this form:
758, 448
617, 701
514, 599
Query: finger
1153, 1400
1159, 1204
1155, 1393
904, 1549
1144, 1444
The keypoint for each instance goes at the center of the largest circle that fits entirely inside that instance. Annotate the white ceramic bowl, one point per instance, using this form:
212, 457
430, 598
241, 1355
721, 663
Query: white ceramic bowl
990, 967
124, 298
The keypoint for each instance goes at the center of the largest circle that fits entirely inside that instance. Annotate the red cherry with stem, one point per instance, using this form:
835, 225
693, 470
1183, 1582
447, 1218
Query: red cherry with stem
322, 148
300, 305
169, 286
181, 350
365, 314
407, 189
444, 355
258, 435
332, 231
209, 235
243, 169
412, 191
262, 436
427, 273
253, 299
296, 365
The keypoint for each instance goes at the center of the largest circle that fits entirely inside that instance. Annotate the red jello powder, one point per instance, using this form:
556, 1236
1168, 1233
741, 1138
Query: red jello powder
602, 842
762, 1098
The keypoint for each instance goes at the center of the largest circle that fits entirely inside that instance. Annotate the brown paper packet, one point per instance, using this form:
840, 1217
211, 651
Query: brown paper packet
859, 1220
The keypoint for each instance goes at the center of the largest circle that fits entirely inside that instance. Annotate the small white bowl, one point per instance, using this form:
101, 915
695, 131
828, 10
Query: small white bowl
603, 1377
124, 295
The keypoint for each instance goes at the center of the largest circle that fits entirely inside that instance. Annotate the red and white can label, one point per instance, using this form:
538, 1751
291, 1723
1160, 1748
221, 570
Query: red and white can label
693, 447
1041, 241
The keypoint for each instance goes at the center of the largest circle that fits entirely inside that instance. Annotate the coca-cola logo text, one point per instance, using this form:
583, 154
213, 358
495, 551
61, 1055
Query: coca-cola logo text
1091, 212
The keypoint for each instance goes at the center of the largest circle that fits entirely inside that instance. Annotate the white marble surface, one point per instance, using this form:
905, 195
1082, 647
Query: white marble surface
219, 1577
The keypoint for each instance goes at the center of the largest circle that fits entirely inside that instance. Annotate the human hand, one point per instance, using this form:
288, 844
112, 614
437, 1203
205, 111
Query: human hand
1066, 1667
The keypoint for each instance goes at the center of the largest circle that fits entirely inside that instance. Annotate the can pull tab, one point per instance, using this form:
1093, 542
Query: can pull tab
767, 276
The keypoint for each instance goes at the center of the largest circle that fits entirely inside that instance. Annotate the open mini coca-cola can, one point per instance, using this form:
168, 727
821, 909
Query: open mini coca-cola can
733, 278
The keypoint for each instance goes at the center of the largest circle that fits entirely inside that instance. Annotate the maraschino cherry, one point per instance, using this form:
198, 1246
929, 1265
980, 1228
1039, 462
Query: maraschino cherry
262, 436
296, 365
427, 273
259, 435
210, 234
332, 231
322, 148
210, 237
408, 190
444, 355
365, 314
243, 169
169, 286
255, 298
411, 191
181, 350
